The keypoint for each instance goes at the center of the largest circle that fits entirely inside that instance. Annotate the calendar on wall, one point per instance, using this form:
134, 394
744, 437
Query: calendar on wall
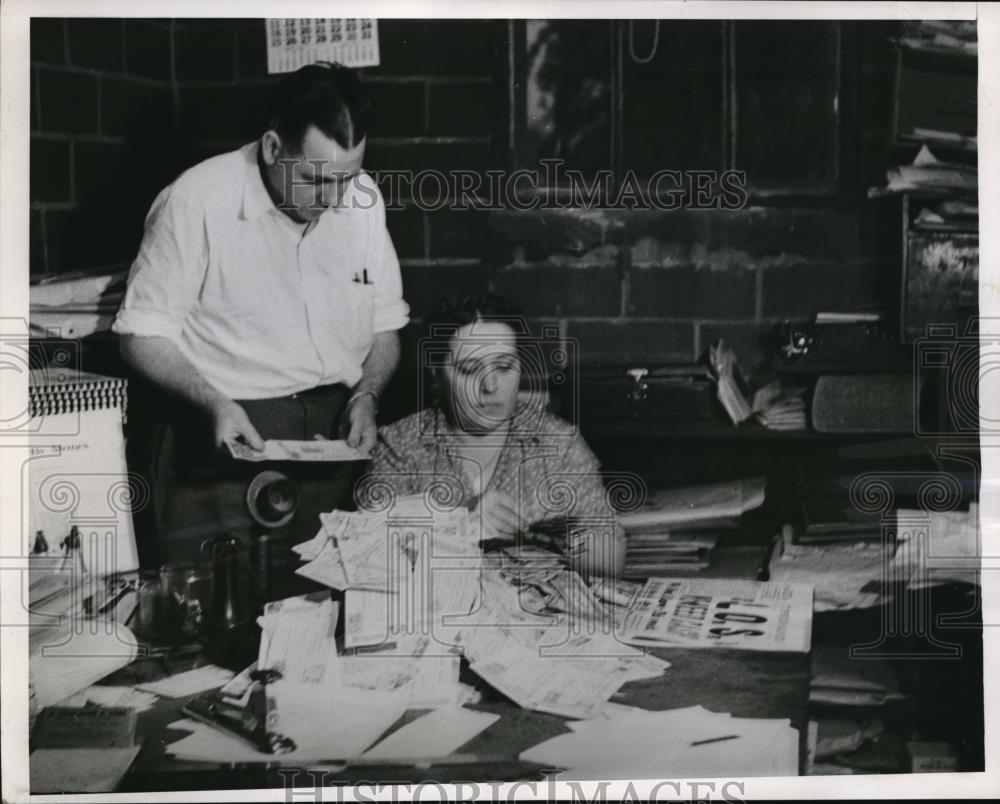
294, 43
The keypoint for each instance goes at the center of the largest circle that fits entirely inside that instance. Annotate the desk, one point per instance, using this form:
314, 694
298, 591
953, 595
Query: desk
744, 683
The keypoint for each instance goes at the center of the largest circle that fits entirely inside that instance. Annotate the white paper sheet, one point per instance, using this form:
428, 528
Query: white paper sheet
690, 742
288, 450
338, 724
326, 567
436, 734
73, 662
422, 670
190, 682
559, 686
298, 640
112, 696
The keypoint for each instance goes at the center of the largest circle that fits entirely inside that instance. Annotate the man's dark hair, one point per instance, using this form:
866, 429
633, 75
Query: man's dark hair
326, 95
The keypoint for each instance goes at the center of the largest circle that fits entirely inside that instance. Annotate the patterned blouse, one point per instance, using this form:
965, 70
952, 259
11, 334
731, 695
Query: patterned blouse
544, 466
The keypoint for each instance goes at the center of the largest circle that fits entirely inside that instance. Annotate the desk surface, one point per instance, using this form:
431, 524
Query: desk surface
743, 683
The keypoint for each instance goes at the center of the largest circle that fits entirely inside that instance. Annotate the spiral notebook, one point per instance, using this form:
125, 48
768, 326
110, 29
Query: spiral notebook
76, 474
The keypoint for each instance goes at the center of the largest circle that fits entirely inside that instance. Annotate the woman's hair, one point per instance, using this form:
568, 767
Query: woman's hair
326, 95
451, 314
454, 312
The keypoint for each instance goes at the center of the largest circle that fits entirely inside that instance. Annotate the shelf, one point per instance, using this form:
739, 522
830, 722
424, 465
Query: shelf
714, 430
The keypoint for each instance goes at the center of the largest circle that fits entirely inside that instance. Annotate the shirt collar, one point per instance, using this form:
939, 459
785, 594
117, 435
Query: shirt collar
256, 200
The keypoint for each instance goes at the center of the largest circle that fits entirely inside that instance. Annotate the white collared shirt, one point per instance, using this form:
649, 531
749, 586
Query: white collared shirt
261, 305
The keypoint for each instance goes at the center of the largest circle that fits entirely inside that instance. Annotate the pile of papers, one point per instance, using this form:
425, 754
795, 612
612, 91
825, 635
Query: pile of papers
299, 645
419, 595
951, 215
553, 662
840, 681
66, 663
948, 550
837, 736
409, 572
945, 36
844, 575
691, 742
930, 174
780, 408
675, 531
649, 554
702, 507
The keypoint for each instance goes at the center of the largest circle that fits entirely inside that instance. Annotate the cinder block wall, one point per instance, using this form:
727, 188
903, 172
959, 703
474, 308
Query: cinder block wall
121, 107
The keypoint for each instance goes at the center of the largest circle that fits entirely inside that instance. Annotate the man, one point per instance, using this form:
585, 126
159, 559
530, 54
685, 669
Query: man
267, 296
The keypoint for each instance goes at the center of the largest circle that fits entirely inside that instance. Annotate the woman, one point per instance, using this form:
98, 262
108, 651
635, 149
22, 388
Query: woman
515, 463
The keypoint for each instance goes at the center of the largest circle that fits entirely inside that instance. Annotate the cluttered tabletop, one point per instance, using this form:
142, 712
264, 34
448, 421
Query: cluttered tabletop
502, 665
517, 669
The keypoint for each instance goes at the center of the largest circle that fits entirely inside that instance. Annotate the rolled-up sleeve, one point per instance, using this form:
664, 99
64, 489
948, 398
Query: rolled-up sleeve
167, 274
391, 311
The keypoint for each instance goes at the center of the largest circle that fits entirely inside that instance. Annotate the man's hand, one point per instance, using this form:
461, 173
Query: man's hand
231, 423
159, 360
358, 424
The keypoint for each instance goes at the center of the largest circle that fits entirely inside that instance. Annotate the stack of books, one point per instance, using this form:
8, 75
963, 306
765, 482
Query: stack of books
833, 519
676, 530
664, 553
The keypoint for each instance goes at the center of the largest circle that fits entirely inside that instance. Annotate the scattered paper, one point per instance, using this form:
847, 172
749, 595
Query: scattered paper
112, 696
339, 724
76, 657
838, 572
325, 567
434, 735
190, 682
424, 671
298, 641
949, 551
288, 450
239, 685
562, 687
690, 742
79, 770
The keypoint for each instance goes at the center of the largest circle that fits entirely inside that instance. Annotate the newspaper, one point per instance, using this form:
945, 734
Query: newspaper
697, 613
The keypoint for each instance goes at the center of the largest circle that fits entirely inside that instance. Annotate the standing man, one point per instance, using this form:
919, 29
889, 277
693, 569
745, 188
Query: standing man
266, 299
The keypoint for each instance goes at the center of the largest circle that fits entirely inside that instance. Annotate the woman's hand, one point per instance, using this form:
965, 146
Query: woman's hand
598, 553
500, 514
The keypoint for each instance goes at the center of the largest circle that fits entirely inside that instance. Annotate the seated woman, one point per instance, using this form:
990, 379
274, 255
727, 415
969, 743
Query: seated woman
517, 464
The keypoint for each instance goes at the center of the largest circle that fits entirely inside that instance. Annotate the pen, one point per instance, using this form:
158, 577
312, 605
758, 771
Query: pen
716, 739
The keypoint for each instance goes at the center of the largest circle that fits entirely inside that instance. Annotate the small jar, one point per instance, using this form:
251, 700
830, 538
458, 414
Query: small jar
146, 621
187, 596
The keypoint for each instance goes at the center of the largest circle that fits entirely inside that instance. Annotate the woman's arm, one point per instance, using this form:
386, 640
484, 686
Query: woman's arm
597, 547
